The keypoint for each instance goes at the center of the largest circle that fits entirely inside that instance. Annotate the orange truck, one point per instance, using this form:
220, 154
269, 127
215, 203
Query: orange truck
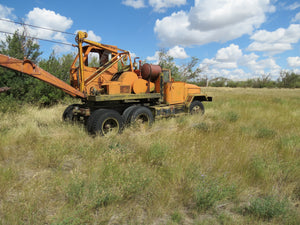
116, 91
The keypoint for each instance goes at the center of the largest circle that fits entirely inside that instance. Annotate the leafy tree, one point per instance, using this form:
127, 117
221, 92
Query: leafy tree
262, 82
232, 84
167, 62
289, 80
190, 71
20, 47
185, 72
202, 81
219, 82
59, 67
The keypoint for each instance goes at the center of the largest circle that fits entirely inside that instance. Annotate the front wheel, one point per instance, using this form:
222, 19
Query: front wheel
197, 107
105, 122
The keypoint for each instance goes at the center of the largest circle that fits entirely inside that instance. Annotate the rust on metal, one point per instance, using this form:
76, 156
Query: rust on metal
150, 71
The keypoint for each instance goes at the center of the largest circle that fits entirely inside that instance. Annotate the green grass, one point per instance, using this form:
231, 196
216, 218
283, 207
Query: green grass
267, 207
237, 164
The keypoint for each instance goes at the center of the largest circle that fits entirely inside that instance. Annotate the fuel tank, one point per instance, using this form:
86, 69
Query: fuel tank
150, 71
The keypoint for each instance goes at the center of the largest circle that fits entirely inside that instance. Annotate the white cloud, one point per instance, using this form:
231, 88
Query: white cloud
296, 18
259, 67
212, 21
6, 12
154, 58
229, 54
93, 37
293, 61
137, 4
61, 48
40, 17
226, 58
158, 5
236, 74
293, 6
215, 14
229, 61
275, 42
177, 52
162, 5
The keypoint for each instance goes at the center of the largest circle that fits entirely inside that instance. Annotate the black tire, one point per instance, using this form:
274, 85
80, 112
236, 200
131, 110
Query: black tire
68, 114
127, 113
91, 118
106, 122
197, 107
141, 115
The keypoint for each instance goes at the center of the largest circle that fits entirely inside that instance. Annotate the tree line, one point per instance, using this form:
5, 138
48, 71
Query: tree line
286, 79
24, 88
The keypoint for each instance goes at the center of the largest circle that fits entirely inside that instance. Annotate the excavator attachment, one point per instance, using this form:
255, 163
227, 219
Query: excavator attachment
28, 67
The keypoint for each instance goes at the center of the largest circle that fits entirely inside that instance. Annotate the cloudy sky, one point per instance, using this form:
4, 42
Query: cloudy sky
237, 39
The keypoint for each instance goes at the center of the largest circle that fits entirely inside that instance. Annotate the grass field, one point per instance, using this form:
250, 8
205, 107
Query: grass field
237, 164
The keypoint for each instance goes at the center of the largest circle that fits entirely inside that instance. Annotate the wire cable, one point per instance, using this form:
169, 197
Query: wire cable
45, 28
42, 39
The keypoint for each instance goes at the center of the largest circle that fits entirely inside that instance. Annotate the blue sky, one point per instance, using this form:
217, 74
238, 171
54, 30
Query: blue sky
234, 39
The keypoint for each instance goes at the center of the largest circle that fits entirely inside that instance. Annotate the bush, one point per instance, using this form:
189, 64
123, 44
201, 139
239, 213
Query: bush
156, 154
265, 133
176, 217
212, 190
231, 116
289, 80
267, 207
202, 126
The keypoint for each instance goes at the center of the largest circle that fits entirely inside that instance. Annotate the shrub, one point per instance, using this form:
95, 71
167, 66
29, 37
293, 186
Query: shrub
265, 133
202, 126
231, 116
267, 207
75, 192
176, 217
156, 154
210, 191
257, 169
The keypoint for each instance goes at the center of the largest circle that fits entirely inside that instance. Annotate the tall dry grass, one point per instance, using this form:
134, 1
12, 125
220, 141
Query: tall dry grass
237, 164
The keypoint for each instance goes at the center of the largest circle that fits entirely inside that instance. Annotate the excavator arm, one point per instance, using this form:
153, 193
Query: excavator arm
28, 67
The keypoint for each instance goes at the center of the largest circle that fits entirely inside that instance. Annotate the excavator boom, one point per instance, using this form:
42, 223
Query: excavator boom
28, 67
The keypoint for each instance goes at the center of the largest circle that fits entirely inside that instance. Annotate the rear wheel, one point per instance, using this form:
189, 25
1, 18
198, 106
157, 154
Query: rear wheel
91, 118
68, 114
197, 107
128, 112
106, 122
141, 115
